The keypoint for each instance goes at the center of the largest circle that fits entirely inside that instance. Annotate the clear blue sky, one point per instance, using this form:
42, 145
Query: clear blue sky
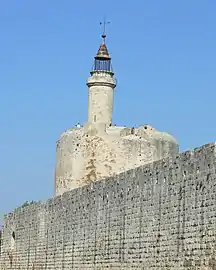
164, 56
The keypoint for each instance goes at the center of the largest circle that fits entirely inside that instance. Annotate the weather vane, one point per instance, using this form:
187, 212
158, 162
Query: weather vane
104, 23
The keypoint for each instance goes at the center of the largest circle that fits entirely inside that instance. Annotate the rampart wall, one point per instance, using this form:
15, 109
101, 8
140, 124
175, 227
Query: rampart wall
158, 216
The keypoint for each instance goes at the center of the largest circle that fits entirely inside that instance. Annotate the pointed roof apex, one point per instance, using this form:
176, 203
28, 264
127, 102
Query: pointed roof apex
103, 53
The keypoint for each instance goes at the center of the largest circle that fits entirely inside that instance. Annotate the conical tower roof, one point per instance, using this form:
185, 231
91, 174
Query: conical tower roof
102, 60
103, 53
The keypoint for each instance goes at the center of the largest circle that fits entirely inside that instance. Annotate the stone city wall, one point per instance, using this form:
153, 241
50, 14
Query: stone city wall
158, 216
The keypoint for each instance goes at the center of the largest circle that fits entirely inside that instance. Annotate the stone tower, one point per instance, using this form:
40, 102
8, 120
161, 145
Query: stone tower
101, 85
99, 149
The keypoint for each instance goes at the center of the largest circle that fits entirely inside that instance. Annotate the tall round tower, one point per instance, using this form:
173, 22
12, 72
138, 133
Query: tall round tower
97, 150
101, 86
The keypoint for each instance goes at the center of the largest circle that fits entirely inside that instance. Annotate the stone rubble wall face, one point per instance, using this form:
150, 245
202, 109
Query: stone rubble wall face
158, 216
82, 158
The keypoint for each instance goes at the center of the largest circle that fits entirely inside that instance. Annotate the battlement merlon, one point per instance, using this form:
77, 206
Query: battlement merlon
142, 131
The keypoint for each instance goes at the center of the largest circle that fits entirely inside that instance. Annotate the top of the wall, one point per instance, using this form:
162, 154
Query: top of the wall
189, 162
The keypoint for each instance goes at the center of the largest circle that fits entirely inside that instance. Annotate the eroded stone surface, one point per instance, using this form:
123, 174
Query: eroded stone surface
93, 152
111, 212
98, 149
157, 216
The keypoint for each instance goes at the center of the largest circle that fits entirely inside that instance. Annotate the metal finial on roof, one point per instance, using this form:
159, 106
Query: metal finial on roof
104, 23
102, 60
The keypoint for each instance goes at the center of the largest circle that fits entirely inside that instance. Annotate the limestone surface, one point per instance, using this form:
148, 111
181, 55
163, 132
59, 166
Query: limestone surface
93, 152
158, 216
99, 149
124, 198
